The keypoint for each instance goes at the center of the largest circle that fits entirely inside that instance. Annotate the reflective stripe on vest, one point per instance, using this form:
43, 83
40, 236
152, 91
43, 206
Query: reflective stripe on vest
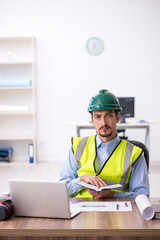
80, 149
127, 160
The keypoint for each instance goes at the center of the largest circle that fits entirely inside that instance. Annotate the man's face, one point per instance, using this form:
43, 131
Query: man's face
105, 122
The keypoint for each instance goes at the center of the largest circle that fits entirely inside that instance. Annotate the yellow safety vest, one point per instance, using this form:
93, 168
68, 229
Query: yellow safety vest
117, 167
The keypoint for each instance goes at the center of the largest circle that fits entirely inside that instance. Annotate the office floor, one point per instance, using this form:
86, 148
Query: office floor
50, 171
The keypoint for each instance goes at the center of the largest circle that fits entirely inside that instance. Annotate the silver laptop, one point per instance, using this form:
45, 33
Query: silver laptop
36, 198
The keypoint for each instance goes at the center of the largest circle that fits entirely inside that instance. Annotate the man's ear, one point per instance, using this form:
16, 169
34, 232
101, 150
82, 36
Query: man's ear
118, 117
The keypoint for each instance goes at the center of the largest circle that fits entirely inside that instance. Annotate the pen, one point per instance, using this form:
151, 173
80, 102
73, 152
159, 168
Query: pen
93, 206
126, 204
117, 206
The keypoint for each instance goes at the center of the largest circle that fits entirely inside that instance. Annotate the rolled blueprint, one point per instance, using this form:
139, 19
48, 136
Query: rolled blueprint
144, 206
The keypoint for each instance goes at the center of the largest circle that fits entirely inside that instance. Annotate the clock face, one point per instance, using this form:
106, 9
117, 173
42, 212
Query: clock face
95, 46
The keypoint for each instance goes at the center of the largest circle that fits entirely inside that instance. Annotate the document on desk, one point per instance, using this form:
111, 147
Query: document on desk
123, 206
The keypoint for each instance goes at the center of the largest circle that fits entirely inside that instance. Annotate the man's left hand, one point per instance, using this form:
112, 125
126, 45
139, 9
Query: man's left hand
101, 195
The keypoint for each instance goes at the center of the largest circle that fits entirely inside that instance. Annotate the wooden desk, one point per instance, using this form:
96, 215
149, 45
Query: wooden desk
79, 126
86, 226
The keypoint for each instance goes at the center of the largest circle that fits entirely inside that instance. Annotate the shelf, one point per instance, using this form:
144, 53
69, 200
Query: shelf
16, 63
16, 113
18, 118
3, 138
17, 38
16, 88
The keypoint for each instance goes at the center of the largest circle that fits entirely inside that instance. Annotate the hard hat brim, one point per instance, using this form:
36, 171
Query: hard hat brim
104, 107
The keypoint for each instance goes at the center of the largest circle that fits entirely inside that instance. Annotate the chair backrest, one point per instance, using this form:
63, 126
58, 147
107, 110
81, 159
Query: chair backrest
146, 152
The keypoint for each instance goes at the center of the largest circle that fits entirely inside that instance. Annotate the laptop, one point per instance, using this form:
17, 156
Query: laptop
39, 198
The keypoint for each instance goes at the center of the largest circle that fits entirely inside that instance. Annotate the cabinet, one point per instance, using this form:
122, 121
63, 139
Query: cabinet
18, 121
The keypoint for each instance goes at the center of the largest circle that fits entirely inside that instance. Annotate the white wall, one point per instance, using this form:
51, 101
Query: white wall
67, 76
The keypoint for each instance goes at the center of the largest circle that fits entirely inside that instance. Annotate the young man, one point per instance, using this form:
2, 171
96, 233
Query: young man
105, 157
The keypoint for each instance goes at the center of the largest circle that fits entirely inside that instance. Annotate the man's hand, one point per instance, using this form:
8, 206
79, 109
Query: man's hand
98, 182
101, 195
94, 180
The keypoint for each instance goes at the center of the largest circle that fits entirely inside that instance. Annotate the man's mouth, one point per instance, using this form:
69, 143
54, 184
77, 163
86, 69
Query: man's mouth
105, 128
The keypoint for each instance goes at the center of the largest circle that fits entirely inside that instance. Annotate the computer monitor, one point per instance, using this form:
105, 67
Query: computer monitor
127, 104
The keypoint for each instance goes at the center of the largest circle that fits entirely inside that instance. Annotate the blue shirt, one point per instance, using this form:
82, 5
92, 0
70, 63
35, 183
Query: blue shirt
139, 182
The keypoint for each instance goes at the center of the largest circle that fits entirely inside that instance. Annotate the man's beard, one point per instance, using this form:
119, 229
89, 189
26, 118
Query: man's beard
105, 134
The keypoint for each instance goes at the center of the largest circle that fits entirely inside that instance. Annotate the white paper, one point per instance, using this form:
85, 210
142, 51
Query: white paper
101, 206
144, 206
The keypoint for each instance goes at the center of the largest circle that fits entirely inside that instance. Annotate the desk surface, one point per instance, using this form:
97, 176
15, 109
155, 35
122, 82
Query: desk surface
129, 124
85, 224
89, 124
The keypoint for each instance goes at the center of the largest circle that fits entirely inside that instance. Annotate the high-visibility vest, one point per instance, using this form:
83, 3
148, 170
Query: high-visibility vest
116, 169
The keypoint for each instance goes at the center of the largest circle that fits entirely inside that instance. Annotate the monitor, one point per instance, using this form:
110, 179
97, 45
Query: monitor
127, 104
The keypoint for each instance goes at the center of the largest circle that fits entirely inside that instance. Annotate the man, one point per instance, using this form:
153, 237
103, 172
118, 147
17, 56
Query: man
105, 158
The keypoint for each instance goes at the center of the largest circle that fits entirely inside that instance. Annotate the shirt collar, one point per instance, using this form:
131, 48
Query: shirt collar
114, 142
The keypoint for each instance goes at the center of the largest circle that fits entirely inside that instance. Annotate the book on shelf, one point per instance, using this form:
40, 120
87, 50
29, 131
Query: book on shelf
8, 159
6, 154
15, 83
90, 186
6, 108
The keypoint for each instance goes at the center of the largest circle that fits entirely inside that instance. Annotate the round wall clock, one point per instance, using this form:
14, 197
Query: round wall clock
94, 46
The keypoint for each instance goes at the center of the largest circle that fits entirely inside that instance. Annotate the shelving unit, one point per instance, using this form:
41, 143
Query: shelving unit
18, 121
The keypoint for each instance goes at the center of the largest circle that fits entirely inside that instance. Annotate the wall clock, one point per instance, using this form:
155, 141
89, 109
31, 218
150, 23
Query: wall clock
94, 46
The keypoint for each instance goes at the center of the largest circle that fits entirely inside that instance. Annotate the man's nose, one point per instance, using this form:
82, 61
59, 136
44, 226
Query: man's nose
103, 120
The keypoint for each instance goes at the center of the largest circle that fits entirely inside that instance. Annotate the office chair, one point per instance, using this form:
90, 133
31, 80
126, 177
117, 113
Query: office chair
122, 131
146, 152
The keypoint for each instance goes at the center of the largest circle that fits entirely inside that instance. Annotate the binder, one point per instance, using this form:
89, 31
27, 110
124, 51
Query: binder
31, 153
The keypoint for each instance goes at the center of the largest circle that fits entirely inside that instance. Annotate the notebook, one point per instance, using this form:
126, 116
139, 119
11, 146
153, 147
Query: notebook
37, 198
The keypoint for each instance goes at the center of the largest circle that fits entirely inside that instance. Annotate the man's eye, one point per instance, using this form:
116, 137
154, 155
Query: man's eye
97, 116
109, 115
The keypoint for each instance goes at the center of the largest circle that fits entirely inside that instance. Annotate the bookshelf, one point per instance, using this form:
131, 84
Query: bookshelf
18, 127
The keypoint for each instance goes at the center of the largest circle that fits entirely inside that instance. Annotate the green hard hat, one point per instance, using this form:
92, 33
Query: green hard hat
104, 100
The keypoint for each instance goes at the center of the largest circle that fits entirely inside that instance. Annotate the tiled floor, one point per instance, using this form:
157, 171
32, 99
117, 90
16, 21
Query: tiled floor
50, 171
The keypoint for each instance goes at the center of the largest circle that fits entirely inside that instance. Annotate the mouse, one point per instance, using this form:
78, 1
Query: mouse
142, 121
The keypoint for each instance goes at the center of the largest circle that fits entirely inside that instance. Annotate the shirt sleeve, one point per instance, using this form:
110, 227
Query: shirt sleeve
69, 174
139, 181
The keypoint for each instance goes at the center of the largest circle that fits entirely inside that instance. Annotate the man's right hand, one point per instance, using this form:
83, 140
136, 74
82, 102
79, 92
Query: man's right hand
94, 180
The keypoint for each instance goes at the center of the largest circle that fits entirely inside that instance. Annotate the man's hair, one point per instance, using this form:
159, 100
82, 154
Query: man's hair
116, 112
